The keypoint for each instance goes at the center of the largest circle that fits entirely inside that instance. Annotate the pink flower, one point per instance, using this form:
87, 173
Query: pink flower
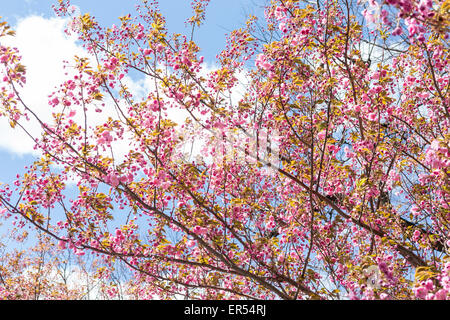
271, 223
368, 16
376, 75
261, 61
200, 230
79, 252
280, 13
112, 179
54, 101
412, 26
420, 292
147, 52
305, 31
424, 178
190, 243
441, 295
436, 155
179, 95
397, 31
62, 244
373, 116
384, 296
423, 95
425, 5
429, 285
283, 28
106, 137
70, 85
333, 148
112, 63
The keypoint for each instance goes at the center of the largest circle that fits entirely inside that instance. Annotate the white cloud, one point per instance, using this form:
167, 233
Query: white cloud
43, 46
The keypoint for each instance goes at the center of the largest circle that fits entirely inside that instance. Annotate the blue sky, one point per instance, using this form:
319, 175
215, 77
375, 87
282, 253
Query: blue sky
222, 17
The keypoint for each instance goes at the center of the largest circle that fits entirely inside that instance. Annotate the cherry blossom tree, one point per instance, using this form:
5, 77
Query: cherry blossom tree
325, 177
40, 272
